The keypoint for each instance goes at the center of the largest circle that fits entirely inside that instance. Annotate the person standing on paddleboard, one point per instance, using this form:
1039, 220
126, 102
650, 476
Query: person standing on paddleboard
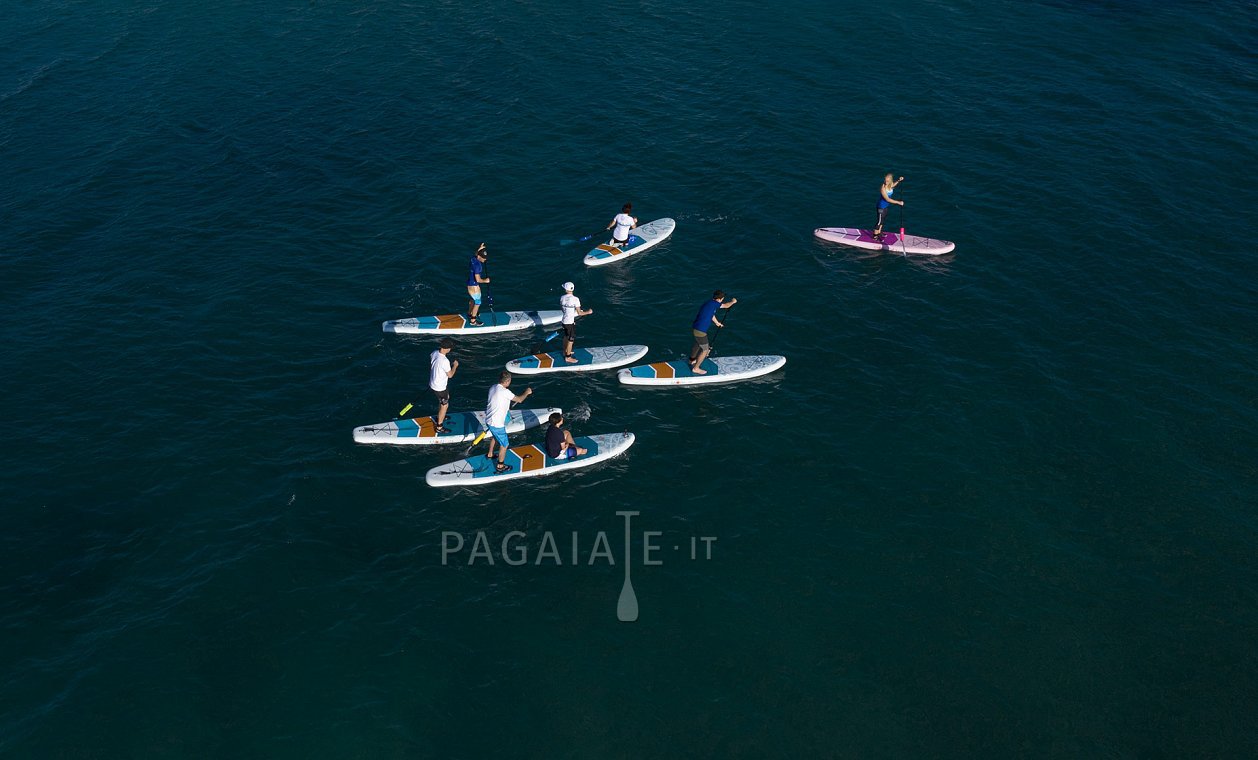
475, 278
497, 410
622, 223
441, 369
703, 322
885, 201
571, 306
559, 443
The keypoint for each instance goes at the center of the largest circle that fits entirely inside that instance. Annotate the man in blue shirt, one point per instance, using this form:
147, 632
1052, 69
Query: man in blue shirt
703, 322
475, 278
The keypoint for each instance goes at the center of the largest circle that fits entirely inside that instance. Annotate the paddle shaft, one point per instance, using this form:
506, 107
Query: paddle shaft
903, 246
489, 296
712, 342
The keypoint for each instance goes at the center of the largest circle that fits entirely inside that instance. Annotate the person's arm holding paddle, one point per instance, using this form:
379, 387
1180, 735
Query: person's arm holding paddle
725, 305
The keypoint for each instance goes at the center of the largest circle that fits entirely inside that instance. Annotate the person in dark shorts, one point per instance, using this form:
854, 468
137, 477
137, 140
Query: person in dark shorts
441, 369
571, 308
885, 201
559, 443
703, 322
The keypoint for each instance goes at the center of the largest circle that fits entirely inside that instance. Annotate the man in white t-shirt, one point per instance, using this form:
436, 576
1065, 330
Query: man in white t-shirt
441, 369
496, 411
571, 307
621, 224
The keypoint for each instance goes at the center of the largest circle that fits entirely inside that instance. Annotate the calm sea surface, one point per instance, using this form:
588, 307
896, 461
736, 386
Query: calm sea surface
1001, 503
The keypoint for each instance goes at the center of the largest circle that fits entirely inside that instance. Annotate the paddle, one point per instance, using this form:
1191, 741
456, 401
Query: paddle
583, 239
542, 344
489, 296
712, 341
903, 246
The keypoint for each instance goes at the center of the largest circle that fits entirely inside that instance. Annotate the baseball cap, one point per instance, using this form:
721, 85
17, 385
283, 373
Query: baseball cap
569, 286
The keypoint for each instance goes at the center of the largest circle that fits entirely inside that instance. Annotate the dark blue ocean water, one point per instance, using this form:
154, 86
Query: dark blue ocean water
1002, 503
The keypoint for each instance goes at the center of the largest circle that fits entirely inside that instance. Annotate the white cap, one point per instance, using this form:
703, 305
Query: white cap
569, 286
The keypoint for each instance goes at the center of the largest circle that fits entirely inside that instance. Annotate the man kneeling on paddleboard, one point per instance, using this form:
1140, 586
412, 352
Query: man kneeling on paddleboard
703, 322
622, 223
559, 443
496, 412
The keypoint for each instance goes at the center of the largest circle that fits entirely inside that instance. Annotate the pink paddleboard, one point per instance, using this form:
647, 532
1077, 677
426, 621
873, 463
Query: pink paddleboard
890, 241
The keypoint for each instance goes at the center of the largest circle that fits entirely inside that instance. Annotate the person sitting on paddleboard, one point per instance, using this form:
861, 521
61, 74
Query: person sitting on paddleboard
703, 322
440, 372
885, 201
497, 410
622, 223
571, 306
475, 278
559, 443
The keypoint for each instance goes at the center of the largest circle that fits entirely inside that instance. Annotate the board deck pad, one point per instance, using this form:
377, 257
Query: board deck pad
588, 360
641, 238
528, 460
463, 426
890, 241
457, 324
721, 369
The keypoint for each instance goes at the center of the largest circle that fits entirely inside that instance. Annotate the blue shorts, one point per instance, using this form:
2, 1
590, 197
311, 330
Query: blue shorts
474, 296
499, 434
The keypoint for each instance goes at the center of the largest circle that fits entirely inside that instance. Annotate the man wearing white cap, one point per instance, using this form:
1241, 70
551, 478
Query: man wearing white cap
571, 306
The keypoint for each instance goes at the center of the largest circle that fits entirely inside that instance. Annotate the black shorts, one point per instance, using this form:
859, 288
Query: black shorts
443, 397
570, 332
701, 343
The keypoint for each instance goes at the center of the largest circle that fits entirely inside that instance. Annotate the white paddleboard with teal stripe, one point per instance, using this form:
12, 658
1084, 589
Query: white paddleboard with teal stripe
457, 324
641, 238
528, 461
588, 360
720, 369
463, 426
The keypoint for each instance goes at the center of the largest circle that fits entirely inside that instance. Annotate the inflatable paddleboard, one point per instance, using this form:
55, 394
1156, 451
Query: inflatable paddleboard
527, 461
588, 360
456, 324
720, 369
890, 241
641, 238
464, 427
